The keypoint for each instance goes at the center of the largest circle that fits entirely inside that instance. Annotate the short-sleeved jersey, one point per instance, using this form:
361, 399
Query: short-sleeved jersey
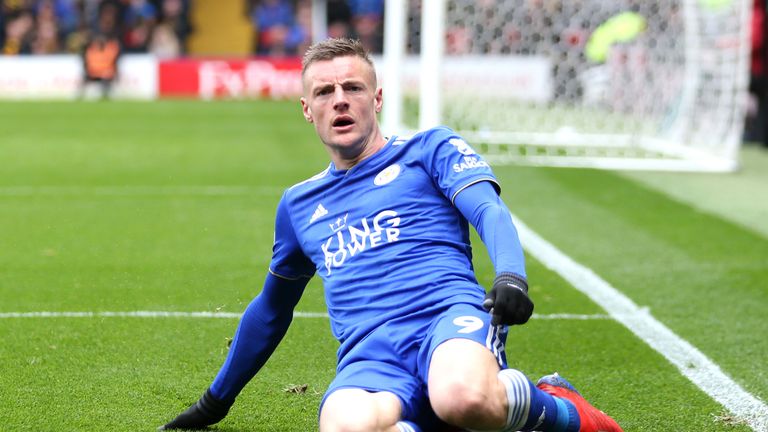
384, 235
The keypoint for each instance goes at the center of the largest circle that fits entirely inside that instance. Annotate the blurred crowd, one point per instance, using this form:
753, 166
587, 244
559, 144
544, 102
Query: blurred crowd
283, 27
162, 27
66, 26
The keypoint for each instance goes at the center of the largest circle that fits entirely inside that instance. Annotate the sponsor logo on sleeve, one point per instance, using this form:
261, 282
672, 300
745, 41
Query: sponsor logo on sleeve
461, 146
469, 162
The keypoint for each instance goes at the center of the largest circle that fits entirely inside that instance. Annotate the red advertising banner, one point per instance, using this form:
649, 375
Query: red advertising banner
223, 79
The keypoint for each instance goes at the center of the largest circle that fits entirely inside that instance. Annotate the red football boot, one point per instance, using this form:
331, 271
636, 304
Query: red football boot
591, 418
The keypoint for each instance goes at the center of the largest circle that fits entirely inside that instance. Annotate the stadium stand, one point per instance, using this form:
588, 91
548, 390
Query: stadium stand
174, 28
65, 26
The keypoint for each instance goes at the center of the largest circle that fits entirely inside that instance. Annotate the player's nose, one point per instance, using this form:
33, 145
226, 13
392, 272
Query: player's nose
340, 101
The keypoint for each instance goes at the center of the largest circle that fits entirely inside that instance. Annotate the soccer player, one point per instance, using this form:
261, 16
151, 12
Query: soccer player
386, 228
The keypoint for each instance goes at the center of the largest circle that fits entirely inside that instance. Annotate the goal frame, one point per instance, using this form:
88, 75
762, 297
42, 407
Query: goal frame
670, 152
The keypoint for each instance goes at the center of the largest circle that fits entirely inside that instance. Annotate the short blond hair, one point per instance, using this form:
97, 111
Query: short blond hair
329, 49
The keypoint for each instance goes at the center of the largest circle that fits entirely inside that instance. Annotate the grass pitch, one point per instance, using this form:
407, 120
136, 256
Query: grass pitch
169, 206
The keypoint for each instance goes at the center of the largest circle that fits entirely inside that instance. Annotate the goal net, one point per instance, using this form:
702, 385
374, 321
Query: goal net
620, 84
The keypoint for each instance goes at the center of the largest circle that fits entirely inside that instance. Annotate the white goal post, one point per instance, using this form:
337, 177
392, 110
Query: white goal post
617, 84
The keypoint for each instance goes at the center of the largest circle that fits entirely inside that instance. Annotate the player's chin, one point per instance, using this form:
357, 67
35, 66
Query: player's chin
347, 139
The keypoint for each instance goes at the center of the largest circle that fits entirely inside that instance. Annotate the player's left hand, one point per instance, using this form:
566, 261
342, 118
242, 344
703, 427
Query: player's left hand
508, 300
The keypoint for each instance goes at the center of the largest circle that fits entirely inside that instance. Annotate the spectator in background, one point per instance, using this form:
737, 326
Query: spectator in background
66, 26
367, 23
140, 19
175, 14
301, 35
2, 24
45, 37
170, 34
66, 13
74, 41
12, 8
163, 41
339, 17
109, 18
18, 32
278, 33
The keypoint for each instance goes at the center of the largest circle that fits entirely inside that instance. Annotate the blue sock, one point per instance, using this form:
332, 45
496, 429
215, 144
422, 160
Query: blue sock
406, 426
534, 409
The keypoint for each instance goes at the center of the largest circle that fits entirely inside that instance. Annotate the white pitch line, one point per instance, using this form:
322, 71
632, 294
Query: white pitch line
143, 314
137, 190
691, 362
567, 316
229, 315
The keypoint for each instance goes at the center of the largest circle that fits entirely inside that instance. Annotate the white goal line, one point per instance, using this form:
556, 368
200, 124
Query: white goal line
232, 315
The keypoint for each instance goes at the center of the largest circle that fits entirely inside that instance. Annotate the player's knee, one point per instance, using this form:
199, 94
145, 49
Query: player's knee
359, 411
351, 423
459, 402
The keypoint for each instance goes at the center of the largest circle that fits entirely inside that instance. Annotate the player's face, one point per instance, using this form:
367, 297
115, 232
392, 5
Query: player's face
341, 100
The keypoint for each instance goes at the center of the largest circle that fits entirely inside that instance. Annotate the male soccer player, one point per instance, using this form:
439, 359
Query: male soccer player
386, 228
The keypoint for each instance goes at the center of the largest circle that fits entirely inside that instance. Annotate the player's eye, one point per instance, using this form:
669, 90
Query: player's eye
353, 88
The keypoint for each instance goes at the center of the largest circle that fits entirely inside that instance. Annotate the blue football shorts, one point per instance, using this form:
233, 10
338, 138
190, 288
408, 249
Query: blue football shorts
395, 356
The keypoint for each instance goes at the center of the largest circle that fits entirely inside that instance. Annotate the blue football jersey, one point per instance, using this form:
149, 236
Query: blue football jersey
384, 235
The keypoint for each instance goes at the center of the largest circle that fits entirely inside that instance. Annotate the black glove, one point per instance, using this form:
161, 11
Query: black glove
206, 411
508, 300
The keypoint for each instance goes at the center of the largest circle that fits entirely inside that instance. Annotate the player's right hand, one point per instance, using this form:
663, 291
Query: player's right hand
508, 300
206, 411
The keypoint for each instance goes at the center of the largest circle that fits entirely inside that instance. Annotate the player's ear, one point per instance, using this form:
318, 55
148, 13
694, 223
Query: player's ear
378, 100
305, 110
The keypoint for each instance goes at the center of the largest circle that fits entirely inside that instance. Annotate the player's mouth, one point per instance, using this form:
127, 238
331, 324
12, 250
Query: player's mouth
343, 123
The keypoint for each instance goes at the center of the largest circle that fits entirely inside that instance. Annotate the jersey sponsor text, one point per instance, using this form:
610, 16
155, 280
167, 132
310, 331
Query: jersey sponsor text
346, 243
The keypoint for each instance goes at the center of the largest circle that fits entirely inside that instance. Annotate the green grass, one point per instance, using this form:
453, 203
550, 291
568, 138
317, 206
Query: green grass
739, 197
112, 207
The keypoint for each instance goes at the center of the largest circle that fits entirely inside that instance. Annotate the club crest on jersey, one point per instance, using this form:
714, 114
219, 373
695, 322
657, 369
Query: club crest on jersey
387, 175
339, 224
461, 146
350, 240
